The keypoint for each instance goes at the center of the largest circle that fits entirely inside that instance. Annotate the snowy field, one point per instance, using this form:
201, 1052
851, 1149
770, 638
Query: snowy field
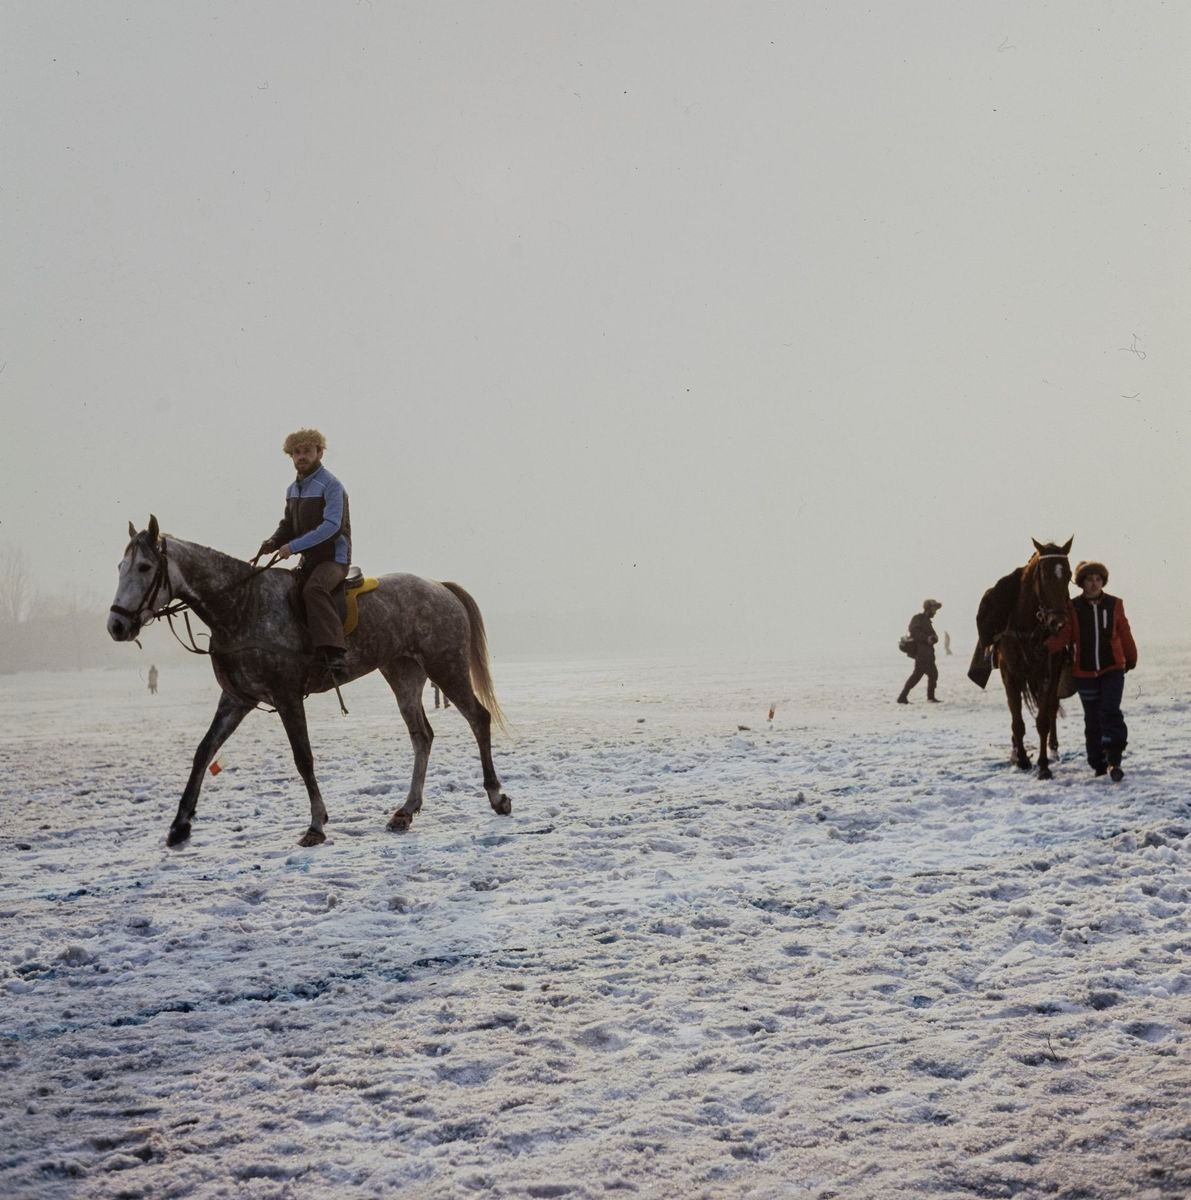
850, 953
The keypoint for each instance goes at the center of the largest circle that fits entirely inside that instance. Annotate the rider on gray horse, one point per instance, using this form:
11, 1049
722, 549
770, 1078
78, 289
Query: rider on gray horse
316, 525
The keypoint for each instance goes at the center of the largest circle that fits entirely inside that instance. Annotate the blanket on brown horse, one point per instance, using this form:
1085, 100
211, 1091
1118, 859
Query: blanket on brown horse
992, 619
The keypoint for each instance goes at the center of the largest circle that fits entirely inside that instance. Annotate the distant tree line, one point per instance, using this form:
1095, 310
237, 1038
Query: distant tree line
41, 631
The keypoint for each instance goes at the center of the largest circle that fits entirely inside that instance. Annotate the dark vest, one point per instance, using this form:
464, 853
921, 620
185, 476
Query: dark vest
1095, 632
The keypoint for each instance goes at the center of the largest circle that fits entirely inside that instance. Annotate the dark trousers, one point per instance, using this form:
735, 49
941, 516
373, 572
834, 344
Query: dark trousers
1105, 732
924, 664
322, 617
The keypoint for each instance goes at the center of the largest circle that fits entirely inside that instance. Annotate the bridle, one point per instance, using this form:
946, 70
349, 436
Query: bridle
1046, 617
176, 607
183, 608
150, 596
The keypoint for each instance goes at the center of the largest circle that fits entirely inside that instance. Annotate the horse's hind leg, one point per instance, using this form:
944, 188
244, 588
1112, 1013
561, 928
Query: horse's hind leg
408, 681
293, 717
228, 715
457, 685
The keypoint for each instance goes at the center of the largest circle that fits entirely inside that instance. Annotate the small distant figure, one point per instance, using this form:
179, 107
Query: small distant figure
946, 642
153, 680
923, 636
445, 702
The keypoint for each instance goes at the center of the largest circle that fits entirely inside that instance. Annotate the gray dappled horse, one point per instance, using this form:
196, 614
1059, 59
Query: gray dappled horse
409, 629
1034, 599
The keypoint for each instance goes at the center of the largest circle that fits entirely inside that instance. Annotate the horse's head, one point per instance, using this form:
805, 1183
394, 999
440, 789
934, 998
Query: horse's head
143, 575
1051, 576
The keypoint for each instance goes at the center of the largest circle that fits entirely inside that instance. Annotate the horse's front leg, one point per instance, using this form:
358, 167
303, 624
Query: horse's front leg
1043, 723
293, 717
1013, 698
1048, 717
228, 715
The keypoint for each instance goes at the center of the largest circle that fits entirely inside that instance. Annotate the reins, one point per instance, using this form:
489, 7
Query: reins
182, 607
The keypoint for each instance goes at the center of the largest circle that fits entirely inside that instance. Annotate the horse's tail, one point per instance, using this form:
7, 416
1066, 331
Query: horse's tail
477, 656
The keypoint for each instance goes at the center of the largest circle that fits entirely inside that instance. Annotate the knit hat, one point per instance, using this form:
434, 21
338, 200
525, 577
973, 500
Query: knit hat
1086, 568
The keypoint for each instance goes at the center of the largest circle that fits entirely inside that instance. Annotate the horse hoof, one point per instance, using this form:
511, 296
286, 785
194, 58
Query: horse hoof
1044, 773
399, 822
503, 806
177, 835
312, 837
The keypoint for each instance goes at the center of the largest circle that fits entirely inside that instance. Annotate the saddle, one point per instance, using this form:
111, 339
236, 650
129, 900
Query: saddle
987, 659
354, 586
346, 597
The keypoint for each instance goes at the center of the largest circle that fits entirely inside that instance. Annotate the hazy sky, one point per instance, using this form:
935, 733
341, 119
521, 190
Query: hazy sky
656, 325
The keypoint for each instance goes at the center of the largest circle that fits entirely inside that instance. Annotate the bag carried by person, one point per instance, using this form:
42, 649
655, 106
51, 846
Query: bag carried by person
907, 645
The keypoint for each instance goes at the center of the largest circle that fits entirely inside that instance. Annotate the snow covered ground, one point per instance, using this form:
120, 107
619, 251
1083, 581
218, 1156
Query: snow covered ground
850, 954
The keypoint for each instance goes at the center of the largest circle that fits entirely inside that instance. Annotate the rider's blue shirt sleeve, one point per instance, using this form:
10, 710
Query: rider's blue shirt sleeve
332, 519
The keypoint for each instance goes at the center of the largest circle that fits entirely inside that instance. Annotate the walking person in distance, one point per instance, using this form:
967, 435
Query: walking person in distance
923, 637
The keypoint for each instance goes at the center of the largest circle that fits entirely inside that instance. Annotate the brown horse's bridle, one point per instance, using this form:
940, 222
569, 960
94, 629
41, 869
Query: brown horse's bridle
1049, 618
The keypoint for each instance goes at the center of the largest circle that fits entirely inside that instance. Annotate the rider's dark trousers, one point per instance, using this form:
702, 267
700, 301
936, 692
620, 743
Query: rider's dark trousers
924, 664
1105, 732
322, 617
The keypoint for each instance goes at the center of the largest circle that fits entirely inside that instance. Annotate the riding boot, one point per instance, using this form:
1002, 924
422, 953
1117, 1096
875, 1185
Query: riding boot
335, 662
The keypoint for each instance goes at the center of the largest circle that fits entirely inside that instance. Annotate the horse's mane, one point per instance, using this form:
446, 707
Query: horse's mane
211, 574
215, 558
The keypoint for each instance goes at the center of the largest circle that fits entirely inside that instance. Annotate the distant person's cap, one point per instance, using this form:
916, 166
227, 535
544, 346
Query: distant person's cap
932, 604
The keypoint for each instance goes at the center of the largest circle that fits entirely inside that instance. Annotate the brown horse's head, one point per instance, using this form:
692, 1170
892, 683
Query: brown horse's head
1046, 583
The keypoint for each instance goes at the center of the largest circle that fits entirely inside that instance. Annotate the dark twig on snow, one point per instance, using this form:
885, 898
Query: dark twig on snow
1052, 1055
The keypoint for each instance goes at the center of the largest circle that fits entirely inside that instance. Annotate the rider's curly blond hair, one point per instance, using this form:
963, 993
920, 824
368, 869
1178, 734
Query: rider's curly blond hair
304, 437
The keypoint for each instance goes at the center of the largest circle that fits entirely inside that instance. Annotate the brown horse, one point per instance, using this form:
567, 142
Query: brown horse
409, 629
1017, 615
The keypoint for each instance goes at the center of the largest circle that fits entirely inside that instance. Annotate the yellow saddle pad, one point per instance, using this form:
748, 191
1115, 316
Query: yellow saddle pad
351, 595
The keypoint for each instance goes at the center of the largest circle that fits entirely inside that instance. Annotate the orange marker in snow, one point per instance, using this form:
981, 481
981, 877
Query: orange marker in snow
215, 768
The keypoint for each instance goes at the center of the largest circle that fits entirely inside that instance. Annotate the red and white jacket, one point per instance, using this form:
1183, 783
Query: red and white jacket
1099, 631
